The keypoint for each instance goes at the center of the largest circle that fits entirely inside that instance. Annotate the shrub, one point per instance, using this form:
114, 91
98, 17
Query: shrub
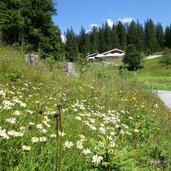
132, 58
166, 58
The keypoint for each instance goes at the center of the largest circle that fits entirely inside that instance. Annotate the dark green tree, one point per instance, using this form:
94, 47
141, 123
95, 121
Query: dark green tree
71, 46
150, 36
56, 48
167, 37
12, 21
84, 42
121, 35
39, 28
102, 43
132, 58
160, 36
94, 39
132, 33
140, 37
114, 37
108, 41
29, 24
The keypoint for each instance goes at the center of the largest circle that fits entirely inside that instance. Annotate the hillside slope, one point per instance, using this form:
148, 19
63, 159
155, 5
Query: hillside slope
107, 121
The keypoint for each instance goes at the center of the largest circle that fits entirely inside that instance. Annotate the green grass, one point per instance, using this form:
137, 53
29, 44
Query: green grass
118, 61
156, 74
111, 114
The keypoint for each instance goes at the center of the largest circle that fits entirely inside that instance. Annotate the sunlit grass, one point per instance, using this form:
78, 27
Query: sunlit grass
107, 119
156, 73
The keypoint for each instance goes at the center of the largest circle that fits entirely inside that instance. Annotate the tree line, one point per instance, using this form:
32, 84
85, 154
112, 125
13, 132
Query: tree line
28, 24
147, 38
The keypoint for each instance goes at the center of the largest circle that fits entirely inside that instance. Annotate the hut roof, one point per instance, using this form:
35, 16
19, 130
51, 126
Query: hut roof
113, 51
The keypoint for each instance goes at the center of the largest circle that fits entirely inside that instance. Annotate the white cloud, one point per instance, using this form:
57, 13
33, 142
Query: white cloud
63, 38
88, 31
126, 20
94, 25
123, 20
110, 22
91, 27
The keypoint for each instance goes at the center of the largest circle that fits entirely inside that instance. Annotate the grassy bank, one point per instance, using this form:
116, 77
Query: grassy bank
108, 120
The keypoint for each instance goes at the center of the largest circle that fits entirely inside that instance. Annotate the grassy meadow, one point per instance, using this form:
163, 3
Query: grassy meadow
154, 73
98, 120
158, 75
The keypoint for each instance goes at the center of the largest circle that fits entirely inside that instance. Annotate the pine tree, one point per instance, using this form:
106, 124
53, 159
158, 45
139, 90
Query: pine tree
102, 43
140, 37
71, 46
132, 33
150, 36
12, 20
114, 37
29, 23
108, 42
84, 42
167, 37
38, 21
122, 35
56, 49
160, 36
94, 39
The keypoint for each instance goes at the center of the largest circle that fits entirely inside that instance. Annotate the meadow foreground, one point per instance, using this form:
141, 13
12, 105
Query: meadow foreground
107, 121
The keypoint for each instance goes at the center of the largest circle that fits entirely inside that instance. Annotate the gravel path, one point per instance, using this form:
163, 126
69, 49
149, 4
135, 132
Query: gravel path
165, 97
154, 56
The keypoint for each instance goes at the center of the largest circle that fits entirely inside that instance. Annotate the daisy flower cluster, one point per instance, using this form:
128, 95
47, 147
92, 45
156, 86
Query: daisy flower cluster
115, 126
22, 117
27, 119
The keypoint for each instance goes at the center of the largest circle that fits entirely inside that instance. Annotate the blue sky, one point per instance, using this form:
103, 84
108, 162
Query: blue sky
77, 13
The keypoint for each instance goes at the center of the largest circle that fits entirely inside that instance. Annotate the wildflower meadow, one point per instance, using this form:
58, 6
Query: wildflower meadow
96, 120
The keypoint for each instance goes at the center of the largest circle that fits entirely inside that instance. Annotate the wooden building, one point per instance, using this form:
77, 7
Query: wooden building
109, 55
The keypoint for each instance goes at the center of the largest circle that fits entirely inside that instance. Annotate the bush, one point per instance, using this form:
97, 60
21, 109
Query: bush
166, 58
132, 58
